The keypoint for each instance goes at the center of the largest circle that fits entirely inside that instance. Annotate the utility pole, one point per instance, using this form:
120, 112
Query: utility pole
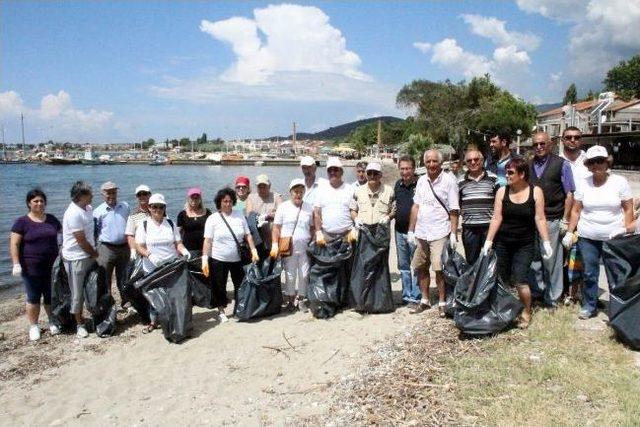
22, 124
295, 146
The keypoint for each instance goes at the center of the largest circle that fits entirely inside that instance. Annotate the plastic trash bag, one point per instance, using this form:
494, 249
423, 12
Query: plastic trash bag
621, 258
99, 302
453, 266
370, 279
132, 294
260, 293
168, 291
483, 305
201, 289
61, 297
328, 277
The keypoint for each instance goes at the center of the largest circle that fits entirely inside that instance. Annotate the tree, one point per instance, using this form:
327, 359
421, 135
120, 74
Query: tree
202, 139
571, 95
148, 143
184, 142
624, 78
417, 145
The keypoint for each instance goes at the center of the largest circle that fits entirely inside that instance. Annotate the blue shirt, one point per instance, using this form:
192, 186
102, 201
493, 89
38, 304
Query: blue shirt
568, 185
499, 168
110, 223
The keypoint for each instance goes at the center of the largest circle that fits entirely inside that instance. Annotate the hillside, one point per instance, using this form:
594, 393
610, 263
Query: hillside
339, 131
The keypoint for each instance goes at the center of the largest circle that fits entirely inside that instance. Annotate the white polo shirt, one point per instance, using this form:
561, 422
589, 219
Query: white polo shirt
334, 204
223, 245
578, 169
433, 222
160, 241
286, 217
76, 219
310, 193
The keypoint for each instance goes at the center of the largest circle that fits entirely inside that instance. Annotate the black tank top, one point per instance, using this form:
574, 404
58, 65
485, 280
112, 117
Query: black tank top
518, 219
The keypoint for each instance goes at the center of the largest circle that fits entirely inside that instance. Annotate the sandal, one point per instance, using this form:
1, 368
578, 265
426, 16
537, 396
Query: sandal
148, 328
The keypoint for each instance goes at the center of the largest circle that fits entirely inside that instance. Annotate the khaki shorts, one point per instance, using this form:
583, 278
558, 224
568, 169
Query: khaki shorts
429, 254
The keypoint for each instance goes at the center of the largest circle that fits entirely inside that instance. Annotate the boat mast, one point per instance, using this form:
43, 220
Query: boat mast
22, 125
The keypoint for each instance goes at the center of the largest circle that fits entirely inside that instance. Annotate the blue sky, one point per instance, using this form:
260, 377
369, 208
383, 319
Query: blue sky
123, 71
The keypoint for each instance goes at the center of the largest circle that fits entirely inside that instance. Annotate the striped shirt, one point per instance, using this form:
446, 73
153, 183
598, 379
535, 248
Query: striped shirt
134, 220
476, 198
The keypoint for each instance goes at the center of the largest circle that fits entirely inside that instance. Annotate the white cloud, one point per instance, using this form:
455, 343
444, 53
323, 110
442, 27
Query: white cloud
559, 10
449, 54
422, 47
554, 77
496, 31
296, 39
11, 104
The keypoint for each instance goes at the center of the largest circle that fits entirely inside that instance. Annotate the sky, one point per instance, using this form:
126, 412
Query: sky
124, 71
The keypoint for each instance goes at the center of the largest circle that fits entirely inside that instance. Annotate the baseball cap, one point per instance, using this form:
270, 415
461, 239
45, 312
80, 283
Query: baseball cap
595, 152
374, 166
262, 179
296, 182
194, 190
157, 199
142, 188
243, 180
307, 161
109, 185
334, 162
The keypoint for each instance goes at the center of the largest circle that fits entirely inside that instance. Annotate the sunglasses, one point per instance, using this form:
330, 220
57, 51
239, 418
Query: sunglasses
539, 144
156, 206
473, 160
333, 170
570, 137
372, 173
597, 161
194, 196
143, 194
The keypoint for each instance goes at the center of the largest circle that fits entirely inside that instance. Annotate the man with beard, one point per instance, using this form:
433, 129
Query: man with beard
500, 156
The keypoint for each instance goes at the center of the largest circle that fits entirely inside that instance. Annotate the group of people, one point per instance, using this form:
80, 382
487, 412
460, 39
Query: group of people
525, 211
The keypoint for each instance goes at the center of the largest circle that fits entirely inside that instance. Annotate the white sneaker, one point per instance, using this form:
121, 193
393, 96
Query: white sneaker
223, 317
34, 332
54, 329
82, 332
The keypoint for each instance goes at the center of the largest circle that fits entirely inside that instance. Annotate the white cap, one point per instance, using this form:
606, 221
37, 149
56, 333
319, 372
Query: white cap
307, 161
142, 187
262, 179
595, 152
334, 162
295, 182
157, 199
374, 166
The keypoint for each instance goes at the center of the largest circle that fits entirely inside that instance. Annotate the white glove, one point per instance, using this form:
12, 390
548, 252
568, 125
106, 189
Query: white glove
185, 253
453, 240
617, 232
16, 270
568, 240
548, 250
133, 255
357, 223
385, 220
262, 220
411, 238
564, 225
486, 247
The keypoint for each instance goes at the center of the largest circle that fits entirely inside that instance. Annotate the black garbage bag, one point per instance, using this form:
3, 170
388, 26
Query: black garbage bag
328, 277
61, 297
260, 293
134, 295
201, 290
99, 302
621, 258
168, 291
453, 266
483, 305
370, 279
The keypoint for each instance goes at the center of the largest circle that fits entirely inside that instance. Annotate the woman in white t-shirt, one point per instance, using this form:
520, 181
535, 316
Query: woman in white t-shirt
294, 220
603, 209
158, 241
223, 232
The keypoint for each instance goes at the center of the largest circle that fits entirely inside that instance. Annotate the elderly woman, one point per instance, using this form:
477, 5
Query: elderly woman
517, 212
603, 209
264, 204
34, 248
78, 247
243, 189
191, 220
292, 231
223, 232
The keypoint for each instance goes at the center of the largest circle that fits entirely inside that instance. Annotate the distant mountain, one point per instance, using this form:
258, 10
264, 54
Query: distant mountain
541, 108
338, 131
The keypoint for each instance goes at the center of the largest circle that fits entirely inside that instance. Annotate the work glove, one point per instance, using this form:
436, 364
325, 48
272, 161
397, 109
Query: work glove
569, 239
320, 238
133, 255
358, 223
564, 225
547, 249
385, 220
205, 265
353, 235
262, 220
453, 240
274, 250
411, 238
16, 270
185, 253
486, 247
619, 231
254, 255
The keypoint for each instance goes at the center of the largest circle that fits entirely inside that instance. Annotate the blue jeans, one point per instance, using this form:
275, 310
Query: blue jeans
404, 251
591, 251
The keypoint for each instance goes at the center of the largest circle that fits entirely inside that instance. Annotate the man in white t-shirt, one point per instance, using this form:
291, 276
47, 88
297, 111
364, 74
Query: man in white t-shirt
572, 152
78, 248
312, 183
332, 216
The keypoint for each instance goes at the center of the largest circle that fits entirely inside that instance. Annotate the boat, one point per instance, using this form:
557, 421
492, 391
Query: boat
89, 159
158, 161
59, 160
259, 163
6, 161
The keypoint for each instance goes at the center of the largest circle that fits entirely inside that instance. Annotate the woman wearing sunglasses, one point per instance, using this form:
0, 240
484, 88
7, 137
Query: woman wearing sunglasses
603, 209
191, 220
517, 212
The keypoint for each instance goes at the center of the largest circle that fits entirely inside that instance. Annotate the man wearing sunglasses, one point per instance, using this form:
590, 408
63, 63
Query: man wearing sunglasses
373, 203
139, 214
572, 152
554, 176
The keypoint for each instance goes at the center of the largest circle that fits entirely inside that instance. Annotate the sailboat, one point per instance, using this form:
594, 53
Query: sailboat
89, 159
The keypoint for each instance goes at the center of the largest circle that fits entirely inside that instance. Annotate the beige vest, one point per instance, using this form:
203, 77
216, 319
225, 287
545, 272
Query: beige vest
373, 206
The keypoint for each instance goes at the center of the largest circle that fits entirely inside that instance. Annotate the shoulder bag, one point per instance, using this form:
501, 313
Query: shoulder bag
437, 198
243, 249
285, 245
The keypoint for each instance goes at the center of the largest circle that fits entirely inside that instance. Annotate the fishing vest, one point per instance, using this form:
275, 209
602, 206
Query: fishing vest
370, 208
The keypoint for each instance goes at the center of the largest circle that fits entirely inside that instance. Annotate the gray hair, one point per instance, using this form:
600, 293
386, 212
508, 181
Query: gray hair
473, 150
79, 189
433, 150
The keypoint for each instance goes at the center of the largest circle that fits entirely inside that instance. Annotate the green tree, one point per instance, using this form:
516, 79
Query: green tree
624, 78
571, 95
416, 146
148, 143
202, 139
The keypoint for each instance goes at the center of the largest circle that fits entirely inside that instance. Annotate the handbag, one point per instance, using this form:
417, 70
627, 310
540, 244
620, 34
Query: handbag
243, 249
285, 244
